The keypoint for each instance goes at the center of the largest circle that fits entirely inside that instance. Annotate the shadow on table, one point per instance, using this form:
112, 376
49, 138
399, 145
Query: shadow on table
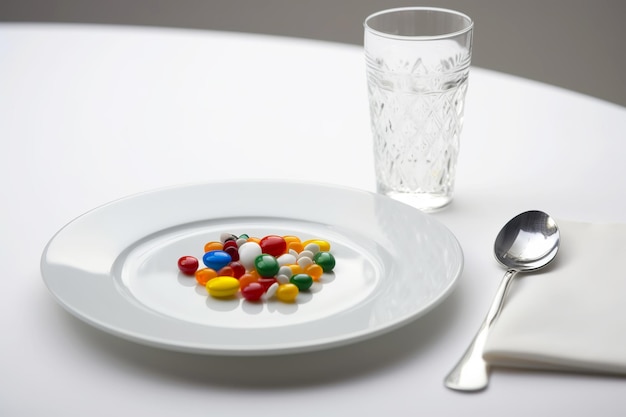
269, 372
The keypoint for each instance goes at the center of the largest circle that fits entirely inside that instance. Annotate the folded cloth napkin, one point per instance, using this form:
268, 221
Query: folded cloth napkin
570, 316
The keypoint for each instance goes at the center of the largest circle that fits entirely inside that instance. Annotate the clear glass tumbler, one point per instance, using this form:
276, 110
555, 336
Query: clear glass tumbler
418, 61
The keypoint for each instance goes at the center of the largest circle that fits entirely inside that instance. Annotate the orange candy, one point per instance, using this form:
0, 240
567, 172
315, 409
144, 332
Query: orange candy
204, 275
226, 271
297, 246
314, 271
247, 278
291, 238
213, 246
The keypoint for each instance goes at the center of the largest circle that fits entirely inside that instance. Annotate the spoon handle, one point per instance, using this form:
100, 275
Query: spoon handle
471, 373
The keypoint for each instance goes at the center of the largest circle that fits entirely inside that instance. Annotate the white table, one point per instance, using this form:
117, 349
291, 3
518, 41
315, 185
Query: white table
89, 114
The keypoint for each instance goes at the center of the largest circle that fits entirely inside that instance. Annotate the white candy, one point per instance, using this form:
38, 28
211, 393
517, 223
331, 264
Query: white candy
286, 259
225, 236
306, 254
293, 252
286, 271
270, 291
241, 241
248, 252
304, 262
282, 279
312, 247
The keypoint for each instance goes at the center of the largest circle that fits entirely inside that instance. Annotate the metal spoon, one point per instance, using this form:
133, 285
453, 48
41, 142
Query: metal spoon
527, 242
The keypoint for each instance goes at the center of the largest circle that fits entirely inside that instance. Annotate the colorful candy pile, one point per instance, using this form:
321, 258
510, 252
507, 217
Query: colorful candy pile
260, 269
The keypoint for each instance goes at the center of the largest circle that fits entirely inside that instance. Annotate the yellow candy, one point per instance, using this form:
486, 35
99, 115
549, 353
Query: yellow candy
222, 287
296, 269
324, 245
287, 293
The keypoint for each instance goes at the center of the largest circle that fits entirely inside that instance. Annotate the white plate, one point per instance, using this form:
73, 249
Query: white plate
116, 267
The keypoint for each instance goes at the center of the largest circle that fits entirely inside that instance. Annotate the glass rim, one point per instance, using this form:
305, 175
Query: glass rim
468, 28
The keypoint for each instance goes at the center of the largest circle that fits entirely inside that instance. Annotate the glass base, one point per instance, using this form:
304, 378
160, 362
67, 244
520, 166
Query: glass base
426, 202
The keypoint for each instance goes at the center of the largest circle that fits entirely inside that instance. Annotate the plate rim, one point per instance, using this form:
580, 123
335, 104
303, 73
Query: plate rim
252, 349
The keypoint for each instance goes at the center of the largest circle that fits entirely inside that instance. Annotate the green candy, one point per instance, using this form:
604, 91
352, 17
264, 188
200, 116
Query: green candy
326, 260
302, 281
266, 265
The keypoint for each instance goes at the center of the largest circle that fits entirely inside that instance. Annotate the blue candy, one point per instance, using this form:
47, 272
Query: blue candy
216, 259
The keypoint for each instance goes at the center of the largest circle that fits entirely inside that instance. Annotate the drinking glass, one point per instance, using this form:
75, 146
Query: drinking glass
418, 61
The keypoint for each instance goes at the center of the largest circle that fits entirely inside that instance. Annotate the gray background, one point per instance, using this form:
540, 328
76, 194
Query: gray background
574, 44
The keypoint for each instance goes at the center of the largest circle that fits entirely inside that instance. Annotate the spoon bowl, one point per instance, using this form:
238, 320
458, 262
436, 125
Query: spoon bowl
529, 241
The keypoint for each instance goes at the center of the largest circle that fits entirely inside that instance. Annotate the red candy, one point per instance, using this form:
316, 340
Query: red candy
230, 243
238, 269
253, 291
188, 265
266, 282
273, 245
232, 251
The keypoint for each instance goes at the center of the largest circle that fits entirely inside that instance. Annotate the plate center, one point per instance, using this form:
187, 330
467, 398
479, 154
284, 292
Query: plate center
147, 272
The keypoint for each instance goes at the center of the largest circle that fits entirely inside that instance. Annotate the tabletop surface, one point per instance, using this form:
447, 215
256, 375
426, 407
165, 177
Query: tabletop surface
90, 114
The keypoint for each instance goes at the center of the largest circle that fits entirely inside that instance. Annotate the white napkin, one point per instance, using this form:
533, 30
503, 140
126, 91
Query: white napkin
572, 315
